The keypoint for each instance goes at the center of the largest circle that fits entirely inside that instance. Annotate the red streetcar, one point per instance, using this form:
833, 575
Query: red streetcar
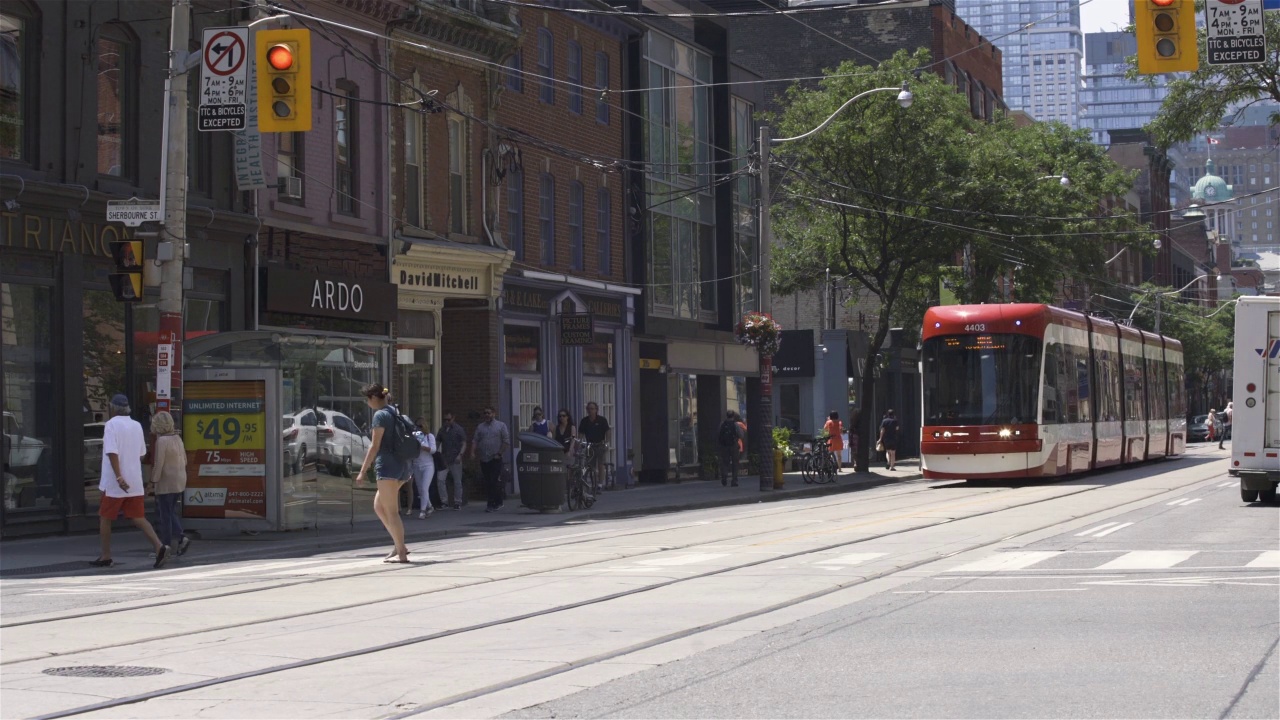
1030, 391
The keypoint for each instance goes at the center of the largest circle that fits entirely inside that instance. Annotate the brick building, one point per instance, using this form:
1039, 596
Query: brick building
510, 206
80, 129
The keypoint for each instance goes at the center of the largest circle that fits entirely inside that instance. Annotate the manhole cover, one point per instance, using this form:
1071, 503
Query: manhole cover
105, 671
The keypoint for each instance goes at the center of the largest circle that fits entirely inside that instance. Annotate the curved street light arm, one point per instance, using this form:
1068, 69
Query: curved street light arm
847, 103
1165, 292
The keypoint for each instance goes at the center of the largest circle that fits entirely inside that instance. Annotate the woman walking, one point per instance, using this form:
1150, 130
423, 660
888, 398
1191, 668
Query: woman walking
889, 439
564, 432
835, 434
424, 470
169, 480
389, 470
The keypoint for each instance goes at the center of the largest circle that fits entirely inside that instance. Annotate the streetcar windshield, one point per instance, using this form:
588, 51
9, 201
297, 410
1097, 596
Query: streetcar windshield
981, 379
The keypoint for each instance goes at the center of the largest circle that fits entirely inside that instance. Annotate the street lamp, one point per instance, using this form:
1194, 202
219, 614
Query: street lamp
764, 424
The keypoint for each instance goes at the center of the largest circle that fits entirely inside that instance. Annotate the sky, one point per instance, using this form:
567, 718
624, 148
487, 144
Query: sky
1104, 15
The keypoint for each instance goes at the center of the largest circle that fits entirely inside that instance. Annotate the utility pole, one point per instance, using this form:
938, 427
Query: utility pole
173, 199
1159, 298
764, 420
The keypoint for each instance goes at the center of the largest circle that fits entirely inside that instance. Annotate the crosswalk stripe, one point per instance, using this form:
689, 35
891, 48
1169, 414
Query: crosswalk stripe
1108, 531
1148, 560
1092, 530
853, 559
1007, 561
1268, 559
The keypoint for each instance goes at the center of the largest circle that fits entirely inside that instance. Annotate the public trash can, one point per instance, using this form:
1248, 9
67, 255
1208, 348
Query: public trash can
541, 466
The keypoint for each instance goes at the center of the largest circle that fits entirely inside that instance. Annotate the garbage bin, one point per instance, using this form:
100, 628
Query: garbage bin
541, 465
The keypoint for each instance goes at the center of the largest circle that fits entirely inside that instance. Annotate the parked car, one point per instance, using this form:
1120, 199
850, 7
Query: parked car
341, 443
300, 445
21, 453
1198, 428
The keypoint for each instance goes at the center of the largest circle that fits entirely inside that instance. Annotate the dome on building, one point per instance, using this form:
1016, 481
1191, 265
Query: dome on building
1210, 188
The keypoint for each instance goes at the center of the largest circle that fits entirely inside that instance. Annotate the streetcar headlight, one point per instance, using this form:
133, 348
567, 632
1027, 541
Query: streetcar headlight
1006, 433
937, 434
946, 434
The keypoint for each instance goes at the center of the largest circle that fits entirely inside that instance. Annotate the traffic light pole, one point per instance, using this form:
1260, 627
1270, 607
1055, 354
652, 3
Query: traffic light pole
174, 199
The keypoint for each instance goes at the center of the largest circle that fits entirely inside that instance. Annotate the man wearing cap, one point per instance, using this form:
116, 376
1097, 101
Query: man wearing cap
123, 447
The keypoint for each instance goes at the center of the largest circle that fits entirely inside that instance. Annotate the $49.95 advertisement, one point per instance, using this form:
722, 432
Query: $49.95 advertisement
222, 427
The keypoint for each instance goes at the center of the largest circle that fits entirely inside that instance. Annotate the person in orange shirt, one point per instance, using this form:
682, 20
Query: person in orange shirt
835, 430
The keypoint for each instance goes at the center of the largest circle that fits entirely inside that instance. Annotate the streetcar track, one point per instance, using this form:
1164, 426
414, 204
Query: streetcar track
480, 692
97, 612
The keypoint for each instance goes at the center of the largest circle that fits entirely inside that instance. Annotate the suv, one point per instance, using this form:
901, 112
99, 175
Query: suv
342, 445
21, 453
300, 445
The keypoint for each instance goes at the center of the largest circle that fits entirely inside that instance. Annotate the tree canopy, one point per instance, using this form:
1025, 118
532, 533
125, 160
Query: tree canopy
888, 197
1201, 101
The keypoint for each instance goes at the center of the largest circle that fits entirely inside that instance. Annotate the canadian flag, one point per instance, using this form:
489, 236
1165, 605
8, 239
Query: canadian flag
1214, 141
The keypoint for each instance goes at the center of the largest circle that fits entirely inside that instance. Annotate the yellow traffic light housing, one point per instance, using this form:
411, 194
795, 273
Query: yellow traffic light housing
126, 281
1166, 36
283, 65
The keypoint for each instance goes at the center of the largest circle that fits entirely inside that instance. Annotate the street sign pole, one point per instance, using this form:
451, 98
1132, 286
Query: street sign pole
175, 209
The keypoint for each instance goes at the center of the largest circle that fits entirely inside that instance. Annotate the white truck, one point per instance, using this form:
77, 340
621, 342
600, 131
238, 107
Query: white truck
1255, 420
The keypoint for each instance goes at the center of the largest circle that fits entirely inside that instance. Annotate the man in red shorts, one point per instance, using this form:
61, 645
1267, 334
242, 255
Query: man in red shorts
123, 447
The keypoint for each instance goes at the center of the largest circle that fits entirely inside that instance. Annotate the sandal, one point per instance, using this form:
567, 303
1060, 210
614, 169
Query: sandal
394, 560
103, 563
394, 554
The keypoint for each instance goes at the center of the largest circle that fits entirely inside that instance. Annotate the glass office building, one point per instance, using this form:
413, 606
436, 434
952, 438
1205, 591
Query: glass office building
1041, 63
1111, 101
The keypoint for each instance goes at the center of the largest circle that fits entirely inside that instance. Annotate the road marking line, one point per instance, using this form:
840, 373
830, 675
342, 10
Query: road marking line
1270, 559
1092, 530
197, 574
1148, 560
571, 535
1007, 561
971, 592
852, 559
1121, 526
1227, 484
683, 559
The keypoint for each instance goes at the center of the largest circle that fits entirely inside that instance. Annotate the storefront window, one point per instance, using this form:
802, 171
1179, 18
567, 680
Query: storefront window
417, 386
104, 375
520, 348
28, 455
683, 411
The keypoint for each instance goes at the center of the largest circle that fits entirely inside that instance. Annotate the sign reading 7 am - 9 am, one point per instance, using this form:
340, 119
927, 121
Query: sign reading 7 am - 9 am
1235, 35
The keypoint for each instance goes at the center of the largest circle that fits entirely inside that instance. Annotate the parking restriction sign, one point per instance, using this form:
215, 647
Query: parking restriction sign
224, 76
1235, 34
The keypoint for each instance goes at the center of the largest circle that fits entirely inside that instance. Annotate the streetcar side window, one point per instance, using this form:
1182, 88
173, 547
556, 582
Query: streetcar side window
1052, 403
1134, 388
1108, 390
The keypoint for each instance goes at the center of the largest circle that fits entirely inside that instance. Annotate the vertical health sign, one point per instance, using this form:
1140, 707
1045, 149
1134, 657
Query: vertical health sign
226, 449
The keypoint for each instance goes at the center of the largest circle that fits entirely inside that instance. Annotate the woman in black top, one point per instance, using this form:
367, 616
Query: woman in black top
889, 438
564, 432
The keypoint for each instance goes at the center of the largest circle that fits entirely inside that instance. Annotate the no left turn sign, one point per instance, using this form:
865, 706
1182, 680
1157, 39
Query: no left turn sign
224, 78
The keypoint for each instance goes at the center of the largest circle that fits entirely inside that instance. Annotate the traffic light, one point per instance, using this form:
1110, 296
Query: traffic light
1166, 36
126, 281
284, 80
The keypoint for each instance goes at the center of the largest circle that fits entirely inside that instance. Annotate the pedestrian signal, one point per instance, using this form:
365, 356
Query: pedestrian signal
126, 281
283, 66
1166, 32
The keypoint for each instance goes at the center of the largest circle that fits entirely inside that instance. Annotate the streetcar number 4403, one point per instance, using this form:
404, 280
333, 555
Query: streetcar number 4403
977, 327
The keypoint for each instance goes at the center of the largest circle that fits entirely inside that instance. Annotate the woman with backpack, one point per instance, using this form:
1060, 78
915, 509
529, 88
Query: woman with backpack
388, 453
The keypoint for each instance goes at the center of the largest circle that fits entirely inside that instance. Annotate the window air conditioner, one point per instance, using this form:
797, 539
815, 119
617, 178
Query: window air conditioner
291, 188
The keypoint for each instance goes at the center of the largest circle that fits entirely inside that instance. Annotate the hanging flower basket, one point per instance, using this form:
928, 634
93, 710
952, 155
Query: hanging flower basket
759, 331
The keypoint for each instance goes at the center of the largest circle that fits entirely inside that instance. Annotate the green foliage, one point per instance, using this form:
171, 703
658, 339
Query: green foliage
1201, 101
1206, 341
782, 441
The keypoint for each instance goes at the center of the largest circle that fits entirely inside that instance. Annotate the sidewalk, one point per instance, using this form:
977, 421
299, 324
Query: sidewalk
30, 557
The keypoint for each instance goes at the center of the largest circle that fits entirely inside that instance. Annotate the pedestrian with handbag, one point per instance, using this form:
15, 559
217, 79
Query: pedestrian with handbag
888, 442
169, 480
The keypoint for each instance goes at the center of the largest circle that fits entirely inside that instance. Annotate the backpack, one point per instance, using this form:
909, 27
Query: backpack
728, 434
404, 445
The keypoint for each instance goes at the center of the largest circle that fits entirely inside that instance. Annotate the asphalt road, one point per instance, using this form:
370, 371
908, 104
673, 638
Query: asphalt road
1146, 592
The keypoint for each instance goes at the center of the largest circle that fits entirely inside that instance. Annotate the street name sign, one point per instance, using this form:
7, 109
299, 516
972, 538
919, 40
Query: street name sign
224, 78
133, 212
1235, 32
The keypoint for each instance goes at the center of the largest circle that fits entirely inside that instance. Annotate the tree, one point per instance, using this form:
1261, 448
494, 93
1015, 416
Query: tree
1206, 336
1199, 102
888, 197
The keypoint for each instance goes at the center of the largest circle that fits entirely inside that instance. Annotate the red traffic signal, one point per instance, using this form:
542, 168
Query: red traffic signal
280, 57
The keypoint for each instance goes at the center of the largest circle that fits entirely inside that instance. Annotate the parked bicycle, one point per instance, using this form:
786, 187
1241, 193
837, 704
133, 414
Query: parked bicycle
818, 466
583, 484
